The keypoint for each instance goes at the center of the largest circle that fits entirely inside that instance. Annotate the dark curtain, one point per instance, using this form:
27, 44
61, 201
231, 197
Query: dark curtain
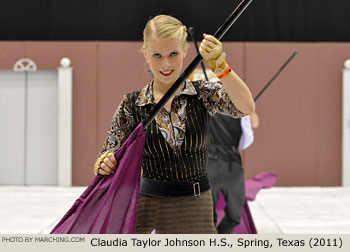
264, 20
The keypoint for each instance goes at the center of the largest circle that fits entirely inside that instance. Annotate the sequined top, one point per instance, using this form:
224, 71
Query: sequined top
206, 97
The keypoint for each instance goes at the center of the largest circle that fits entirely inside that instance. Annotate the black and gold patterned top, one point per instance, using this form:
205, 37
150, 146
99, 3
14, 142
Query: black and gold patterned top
176, 145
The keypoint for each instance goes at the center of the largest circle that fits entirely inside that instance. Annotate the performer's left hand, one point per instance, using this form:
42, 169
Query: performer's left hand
211, 51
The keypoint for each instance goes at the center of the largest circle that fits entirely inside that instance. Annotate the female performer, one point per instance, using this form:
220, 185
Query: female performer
175, 194
225, 171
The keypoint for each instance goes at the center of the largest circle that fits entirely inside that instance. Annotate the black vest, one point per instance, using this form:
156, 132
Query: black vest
225, 133
189, 161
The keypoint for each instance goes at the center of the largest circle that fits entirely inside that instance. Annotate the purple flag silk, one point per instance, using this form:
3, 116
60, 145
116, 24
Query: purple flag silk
258, 182
246, 226
109, 204
253, 186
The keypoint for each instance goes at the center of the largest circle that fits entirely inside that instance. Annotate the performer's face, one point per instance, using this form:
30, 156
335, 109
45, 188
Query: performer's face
165, 57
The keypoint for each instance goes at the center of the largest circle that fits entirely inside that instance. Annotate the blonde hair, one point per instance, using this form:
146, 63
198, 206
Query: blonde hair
165, 27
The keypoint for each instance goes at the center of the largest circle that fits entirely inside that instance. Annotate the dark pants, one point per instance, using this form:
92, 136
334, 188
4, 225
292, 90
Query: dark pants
228, 177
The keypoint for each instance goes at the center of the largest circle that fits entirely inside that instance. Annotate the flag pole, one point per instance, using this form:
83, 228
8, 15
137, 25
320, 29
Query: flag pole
193, 65
191, 32
275, 76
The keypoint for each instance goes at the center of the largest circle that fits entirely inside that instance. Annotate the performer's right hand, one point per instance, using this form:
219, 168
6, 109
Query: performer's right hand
107, 165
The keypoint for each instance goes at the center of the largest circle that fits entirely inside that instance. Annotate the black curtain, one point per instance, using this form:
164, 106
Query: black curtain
264, 20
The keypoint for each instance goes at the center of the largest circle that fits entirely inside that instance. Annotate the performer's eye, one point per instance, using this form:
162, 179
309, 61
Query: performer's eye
174, 54
156, 55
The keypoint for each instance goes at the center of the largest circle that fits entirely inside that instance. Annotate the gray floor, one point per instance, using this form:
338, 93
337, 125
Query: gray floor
284, 210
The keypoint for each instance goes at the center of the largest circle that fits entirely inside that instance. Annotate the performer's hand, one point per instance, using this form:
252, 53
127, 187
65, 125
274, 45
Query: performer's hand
107, 165
211, 51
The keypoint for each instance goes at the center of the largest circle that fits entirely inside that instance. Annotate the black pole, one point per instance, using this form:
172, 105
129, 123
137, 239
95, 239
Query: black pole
191, 32
275, 76
193, 65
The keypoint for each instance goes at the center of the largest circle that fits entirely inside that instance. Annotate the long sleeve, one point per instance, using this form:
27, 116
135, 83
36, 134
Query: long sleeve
247, 137
121, 126
216, 100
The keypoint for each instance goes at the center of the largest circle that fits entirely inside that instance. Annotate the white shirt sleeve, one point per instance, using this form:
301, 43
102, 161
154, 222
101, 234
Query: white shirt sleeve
247, 137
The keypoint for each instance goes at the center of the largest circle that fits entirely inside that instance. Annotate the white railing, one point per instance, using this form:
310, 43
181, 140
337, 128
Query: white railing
346, 125
65, 116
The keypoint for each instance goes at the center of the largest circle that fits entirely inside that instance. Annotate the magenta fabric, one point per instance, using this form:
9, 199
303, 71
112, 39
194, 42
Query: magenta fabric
258, 182
246, 226
109, 204
253, 186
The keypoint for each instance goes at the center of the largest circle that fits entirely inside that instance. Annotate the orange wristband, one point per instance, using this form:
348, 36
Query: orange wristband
224, 74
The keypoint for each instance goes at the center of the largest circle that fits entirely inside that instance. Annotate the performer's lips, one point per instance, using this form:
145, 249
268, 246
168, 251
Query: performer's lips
166, 73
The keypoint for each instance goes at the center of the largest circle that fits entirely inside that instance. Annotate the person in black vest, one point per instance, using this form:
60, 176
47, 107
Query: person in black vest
175, 193
225, 172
